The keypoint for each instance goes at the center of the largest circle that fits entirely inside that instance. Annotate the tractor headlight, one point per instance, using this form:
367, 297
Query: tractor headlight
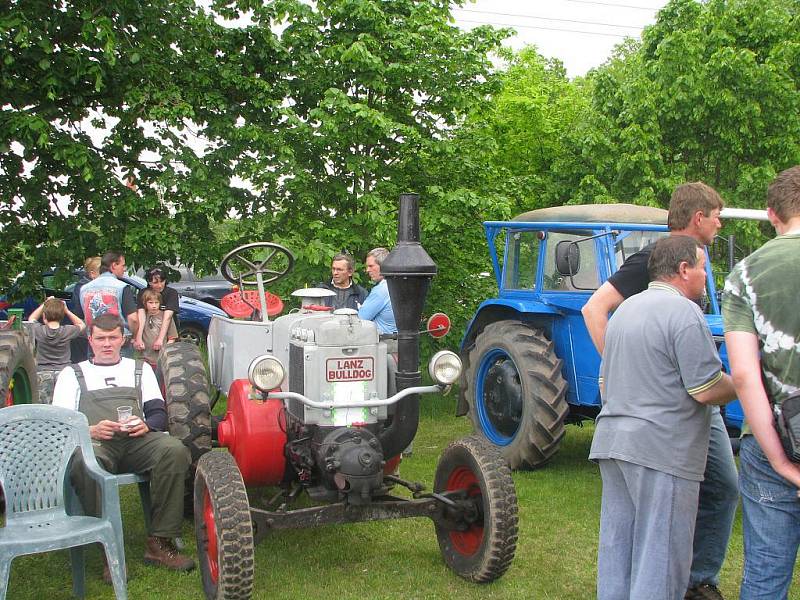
445, 367
266, 372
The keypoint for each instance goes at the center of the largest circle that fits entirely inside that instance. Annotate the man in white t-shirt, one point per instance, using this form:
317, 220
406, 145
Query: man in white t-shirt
98, 388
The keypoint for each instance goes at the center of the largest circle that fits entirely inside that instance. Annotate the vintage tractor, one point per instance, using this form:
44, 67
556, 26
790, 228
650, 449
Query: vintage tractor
318, 408
530, 365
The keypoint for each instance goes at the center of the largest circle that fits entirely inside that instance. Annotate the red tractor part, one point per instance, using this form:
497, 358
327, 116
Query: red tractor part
254, 431
239, 305
438, 325
392, 464
318, 307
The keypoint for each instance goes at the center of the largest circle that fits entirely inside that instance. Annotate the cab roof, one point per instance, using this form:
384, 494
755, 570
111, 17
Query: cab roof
596, 213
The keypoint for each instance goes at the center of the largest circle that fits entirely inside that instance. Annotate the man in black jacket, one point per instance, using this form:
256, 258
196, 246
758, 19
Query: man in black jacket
348, 293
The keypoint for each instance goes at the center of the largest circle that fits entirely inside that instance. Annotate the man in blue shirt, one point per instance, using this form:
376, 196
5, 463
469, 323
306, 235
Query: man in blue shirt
378, 306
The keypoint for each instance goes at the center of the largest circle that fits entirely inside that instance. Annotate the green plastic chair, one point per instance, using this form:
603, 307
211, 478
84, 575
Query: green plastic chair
37, 444
143, 481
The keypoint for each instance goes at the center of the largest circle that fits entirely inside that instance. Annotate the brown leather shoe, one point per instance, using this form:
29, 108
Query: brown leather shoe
161, 551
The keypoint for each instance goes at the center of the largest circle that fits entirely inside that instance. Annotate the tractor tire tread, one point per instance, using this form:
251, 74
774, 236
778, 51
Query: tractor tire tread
187, 397
15, 354
542, 425
497, 551
235, 545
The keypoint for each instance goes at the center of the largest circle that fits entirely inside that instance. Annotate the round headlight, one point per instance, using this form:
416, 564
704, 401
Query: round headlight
445, 367
266, 373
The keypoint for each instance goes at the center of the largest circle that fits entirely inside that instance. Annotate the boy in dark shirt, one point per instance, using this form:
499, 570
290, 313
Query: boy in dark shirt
52, 343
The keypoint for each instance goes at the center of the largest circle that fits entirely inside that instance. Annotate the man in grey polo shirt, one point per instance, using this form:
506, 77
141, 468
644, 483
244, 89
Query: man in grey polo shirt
660, 369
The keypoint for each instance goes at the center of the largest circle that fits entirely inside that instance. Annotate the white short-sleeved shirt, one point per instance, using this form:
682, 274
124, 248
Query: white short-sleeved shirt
67, 390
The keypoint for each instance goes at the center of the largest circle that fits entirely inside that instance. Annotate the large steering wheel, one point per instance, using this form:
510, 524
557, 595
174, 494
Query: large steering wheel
244, 264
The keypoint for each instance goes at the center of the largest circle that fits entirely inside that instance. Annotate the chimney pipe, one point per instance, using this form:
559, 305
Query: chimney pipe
408, 271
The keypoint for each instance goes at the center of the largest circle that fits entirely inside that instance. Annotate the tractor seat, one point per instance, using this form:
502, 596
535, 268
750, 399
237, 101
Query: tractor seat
234, 304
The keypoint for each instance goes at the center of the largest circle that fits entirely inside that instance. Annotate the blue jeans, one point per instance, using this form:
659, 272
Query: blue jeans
719, 495
646, 526
771, 526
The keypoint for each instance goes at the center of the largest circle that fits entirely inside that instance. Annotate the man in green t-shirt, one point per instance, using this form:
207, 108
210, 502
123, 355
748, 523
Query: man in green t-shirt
762, 334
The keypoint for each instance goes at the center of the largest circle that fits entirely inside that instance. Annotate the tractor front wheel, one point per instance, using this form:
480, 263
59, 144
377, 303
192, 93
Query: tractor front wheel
223, 529
479, 546
18, 381
516, 393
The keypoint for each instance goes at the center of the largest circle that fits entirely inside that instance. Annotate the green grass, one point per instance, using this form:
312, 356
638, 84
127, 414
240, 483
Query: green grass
556, 555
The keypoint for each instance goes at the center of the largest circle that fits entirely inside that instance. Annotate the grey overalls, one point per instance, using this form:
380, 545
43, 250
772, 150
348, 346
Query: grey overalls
165, 457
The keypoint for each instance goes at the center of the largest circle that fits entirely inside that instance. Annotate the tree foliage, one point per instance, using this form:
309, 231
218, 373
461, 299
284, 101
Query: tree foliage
96, 95
372, 94
304, 125
712, 93
167, 130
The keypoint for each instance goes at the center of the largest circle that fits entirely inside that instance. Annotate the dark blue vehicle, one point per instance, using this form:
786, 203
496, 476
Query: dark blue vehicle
194, 316
530, 366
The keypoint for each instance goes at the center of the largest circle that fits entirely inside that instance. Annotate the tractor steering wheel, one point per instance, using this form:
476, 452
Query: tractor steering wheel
253, 259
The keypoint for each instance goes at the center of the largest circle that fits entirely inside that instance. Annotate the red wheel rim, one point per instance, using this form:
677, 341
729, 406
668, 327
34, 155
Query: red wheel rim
211, 534
466, 542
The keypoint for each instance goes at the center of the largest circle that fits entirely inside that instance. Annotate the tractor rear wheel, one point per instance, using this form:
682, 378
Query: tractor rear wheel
18, 382
188, 404
483, 550
516, 393
187, 397
223, 529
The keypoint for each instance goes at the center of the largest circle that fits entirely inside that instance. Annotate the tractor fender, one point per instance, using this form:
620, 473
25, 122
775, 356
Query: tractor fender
254, 432
496, 309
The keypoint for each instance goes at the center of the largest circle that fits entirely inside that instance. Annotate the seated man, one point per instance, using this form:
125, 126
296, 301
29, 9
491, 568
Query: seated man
98, 388
348, 293
378, 306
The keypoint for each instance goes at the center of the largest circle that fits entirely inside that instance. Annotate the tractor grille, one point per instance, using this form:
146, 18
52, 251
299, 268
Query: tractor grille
296, 365
296, 377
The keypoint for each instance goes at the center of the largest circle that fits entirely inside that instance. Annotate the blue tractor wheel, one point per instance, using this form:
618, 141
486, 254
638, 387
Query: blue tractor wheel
516, 393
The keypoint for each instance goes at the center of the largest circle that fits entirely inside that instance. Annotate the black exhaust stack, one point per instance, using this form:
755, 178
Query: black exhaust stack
408, 271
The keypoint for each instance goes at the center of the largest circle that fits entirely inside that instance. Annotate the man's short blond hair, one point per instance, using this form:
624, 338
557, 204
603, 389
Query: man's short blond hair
379, 254
92, 264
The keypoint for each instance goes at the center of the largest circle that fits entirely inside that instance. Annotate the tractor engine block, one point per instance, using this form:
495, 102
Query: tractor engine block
350, 461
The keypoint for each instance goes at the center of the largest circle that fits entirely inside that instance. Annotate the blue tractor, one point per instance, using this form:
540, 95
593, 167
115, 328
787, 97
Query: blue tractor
530, 366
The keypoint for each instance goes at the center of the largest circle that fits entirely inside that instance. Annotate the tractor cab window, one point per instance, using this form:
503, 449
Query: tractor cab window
570, 262
522, 256
630, 242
